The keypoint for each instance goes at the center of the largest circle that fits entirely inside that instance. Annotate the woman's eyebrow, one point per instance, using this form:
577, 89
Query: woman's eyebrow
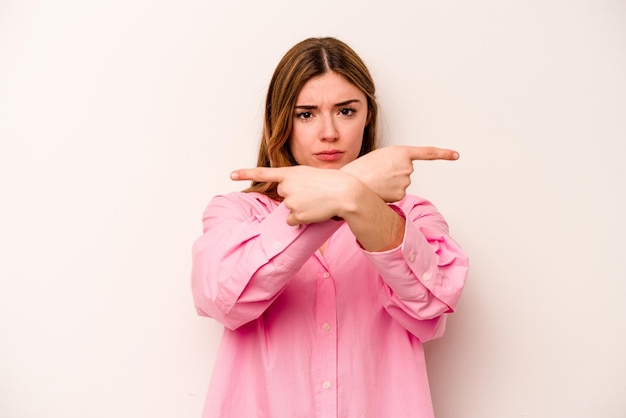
340, 104
347, 102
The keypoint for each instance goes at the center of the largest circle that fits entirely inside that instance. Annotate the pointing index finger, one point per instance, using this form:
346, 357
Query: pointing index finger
261, 174
432, 153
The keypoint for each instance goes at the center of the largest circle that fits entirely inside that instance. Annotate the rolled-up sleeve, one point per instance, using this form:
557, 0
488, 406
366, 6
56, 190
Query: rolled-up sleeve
422, 279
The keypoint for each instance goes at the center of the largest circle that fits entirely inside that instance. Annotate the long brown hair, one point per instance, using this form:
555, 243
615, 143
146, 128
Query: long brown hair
307, 59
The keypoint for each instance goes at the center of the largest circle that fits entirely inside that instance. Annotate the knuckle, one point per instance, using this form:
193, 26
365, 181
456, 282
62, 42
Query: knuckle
297, 217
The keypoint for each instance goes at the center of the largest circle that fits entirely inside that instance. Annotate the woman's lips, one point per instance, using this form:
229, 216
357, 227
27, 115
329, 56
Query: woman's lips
331, 155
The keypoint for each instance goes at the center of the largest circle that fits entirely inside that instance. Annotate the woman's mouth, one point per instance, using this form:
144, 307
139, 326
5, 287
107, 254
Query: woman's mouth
329, 155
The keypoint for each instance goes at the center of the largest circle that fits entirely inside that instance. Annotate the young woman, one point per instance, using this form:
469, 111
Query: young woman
326, 276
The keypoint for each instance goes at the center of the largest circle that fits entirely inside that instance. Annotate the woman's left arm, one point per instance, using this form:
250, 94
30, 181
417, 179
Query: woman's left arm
422, 277
423, 269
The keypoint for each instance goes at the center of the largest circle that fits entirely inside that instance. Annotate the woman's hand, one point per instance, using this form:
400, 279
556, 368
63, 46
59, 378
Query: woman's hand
311, 194
387, 171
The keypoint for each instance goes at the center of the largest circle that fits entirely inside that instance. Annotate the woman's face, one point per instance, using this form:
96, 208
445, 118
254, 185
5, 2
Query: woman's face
328, 122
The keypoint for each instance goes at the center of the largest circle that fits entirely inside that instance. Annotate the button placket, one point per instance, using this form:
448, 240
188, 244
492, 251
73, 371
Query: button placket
326, 345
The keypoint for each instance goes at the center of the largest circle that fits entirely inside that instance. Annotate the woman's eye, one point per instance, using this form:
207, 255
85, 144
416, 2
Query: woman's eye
346, 111
304, 115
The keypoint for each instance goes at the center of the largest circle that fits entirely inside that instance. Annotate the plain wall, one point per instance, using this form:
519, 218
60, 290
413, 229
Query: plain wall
119, 120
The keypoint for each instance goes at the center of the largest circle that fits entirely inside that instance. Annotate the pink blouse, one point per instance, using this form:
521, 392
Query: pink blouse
312, 335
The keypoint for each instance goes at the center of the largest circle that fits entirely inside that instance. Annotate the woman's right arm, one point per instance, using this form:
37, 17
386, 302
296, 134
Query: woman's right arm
246, 256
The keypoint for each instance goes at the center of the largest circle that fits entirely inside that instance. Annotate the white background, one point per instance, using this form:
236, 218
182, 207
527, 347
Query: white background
119, 120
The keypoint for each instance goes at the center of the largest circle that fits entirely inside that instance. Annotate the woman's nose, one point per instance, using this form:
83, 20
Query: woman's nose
329, 130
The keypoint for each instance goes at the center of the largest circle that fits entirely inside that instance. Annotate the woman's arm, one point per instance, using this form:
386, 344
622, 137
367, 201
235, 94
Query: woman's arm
246, 256
423, 277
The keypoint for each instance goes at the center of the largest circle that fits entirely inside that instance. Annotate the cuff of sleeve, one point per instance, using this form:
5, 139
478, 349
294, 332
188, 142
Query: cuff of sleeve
414, 254
276, 233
